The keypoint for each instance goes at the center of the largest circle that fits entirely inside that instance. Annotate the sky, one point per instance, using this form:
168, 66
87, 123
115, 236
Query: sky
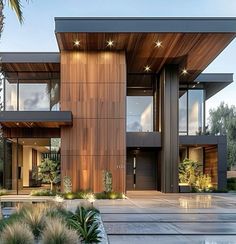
37, 32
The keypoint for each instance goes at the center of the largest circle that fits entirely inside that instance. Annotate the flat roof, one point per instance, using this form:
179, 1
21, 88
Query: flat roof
214, 82
146, 24
30, 57
30, 62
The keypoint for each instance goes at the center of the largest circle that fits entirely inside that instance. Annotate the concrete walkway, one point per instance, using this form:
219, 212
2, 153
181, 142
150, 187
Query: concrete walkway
151, 217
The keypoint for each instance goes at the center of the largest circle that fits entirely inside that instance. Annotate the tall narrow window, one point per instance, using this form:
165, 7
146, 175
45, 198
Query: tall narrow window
195, 111
183, 112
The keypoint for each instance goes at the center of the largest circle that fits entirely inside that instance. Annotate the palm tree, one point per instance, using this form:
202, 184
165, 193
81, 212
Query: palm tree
16, 7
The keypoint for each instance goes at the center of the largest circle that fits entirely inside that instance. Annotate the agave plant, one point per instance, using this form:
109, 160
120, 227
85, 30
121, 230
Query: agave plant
86, 224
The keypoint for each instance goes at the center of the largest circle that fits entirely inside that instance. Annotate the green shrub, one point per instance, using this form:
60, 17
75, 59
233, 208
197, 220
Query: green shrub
42, 192
3, 192
231, 184
85, 222
203, 183
109, 195
16, 233
70, 195
56, 232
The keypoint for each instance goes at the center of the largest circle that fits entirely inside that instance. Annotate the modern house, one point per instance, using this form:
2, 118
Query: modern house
123, 94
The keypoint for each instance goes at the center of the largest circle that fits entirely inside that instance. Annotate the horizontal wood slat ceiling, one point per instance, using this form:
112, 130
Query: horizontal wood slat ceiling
192, 51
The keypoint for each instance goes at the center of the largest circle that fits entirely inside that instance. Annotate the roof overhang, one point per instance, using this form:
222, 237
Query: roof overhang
28, 62
192, 43
31, 119
214, 82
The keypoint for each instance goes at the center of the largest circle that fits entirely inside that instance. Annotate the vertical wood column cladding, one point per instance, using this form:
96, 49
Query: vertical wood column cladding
93, 87
169, 100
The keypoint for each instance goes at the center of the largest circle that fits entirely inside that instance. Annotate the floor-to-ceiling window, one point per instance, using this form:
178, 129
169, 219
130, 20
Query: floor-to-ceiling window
191, 112
22, 158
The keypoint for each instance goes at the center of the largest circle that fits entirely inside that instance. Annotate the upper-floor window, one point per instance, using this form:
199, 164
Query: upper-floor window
31, 94
191, 111
139, 113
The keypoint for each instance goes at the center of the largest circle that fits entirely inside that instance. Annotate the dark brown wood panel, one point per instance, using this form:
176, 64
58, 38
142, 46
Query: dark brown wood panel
93, 87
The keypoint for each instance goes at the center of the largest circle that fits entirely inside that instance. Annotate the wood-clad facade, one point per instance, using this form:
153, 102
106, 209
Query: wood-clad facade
93, 87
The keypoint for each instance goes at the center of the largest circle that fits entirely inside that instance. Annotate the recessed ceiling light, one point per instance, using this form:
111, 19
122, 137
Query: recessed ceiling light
158, 44
76, 43
147, 68
184, 72
110, 43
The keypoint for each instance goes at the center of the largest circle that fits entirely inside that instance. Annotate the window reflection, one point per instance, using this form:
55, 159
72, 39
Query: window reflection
140, 113
183, 113
34, 96
191, 112
31, 95
11, 95
195, 112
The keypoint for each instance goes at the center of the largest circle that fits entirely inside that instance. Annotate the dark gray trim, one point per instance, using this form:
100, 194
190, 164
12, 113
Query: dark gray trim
215, 77
144, 24
30, 57
143, 139
36, 116
214, 82
202, 140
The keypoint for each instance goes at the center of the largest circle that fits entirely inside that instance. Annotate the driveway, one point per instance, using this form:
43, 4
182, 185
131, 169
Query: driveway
152, 217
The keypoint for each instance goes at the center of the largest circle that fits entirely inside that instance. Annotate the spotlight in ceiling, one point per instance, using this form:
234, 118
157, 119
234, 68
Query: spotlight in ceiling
158, 44
110, 43
147, 68
76, 43
184, 72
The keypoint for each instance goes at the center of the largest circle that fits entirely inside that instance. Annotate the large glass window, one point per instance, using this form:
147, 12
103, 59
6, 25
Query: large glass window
19, 165
195, 111
34, 96
31, 95
140, 113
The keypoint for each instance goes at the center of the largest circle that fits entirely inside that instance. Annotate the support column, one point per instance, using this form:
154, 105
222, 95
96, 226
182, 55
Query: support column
169, 127
222, 163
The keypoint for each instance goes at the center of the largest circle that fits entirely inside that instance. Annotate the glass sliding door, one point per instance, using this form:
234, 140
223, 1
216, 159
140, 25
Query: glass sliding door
19, 166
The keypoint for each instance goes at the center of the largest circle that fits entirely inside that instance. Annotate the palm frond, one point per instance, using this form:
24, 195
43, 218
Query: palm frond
16, 6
